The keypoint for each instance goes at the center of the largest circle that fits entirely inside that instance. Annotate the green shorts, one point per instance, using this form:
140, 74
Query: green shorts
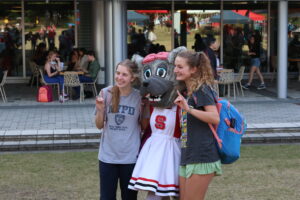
200, 168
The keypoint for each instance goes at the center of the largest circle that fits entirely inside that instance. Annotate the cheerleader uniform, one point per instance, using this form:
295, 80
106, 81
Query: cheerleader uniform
157, 167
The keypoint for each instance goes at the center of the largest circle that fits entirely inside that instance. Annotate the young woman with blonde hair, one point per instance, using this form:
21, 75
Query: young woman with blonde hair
200, 160
52, 69
118, 110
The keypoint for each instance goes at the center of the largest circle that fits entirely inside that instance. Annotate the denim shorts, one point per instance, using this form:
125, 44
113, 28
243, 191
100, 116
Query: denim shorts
255, 62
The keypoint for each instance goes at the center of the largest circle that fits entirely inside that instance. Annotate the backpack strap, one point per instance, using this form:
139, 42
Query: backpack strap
212, 128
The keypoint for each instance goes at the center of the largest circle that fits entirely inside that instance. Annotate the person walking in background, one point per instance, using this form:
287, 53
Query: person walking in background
254, 53
118, 112
199, 44
210, 51
200, 160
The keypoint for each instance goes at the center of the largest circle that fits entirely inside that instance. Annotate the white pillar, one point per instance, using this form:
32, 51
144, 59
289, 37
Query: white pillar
108, 24
76, 23
222, 33
119, 35
98, 37
282, 41
23, 39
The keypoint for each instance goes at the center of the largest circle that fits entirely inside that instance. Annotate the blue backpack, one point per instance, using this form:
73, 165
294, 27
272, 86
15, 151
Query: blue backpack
228, 133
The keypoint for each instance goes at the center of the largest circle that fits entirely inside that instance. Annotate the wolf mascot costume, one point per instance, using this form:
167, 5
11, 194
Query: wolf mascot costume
157, 166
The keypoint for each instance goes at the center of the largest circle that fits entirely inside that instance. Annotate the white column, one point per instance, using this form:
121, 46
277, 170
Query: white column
118, 19
98, 37
23, 39
76, 23
282, 41
108, 24
222, 34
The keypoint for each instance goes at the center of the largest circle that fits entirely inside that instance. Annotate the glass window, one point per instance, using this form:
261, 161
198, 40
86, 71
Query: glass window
149, 31
240, 24
11, 37
294, 36
48, 27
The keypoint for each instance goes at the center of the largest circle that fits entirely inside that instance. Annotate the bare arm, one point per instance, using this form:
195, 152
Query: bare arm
100, 107
145, 115
209, 115
99, 119
48, 71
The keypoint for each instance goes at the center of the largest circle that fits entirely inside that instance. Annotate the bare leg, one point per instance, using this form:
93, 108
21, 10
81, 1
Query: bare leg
252, 70
260, 75
182, 182
197, 185
152, 196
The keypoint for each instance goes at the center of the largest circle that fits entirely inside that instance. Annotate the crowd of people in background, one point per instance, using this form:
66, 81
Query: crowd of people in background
143, 41
41, 40
79, 59
10, 42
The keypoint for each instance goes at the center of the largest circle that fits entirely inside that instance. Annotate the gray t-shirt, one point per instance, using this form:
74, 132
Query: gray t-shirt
120, 140
198, 143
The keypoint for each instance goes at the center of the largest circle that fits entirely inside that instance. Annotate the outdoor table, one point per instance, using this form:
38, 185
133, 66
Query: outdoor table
74, 72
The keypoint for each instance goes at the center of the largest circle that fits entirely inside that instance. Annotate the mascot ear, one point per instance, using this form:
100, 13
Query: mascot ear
137, 59
172, 55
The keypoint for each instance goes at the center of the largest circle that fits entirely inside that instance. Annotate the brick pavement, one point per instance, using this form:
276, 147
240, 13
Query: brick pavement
63, 123
80, 116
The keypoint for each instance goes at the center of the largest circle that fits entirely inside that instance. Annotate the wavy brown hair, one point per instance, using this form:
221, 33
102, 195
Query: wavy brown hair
115, 91
203, 74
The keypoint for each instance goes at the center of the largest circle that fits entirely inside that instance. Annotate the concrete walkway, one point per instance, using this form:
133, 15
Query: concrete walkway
23, 116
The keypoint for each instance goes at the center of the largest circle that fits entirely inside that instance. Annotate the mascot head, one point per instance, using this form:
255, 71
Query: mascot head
158, 78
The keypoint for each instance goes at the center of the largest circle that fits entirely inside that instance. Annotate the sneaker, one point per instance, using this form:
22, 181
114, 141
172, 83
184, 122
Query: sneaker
261, 86
246, 86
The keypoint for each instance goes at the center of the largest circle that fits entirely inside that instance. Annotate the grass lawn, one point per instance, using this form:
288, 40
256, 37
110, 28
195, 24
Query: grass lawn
263, 172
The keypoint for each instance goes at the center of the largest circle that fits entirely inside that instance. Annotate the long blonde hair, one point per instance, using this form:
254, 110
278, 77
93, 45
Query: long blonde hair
203, 74
50, 54
115, 91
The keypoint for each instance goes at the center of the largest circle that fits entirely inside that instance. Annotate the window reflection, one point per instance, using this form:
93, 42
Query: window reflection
49, 27
149, 31
11, 37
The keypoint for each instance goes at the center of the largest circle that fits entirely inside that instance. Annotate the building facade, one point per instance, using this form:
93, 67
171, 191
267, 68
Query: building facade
116, 29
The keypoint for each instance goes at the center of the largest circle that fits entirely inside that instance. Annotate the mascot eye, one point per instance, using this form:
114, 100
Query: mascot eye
162, 72
147, 73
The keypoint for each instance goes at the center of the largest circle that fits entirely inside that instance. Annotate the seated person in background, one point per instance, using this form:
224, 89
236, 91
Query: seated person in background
92, 69
91, 72
73, 64
83, 58
52, 68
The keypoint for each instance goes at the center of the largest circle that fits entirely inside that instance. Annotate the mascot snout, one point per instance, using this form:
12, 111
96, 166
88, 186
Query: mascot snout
156, 86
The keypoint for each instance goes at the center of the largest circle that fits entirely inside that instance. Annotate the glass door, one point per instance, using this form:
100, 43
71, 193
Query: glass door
11, 37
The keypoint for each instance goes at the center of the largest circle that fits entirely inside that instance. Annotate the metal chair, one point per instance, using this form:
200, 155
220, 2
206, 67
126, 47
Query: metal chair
71, 79
238, 77
35, 73
227, 78
93, 84
51, 84
2, 91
